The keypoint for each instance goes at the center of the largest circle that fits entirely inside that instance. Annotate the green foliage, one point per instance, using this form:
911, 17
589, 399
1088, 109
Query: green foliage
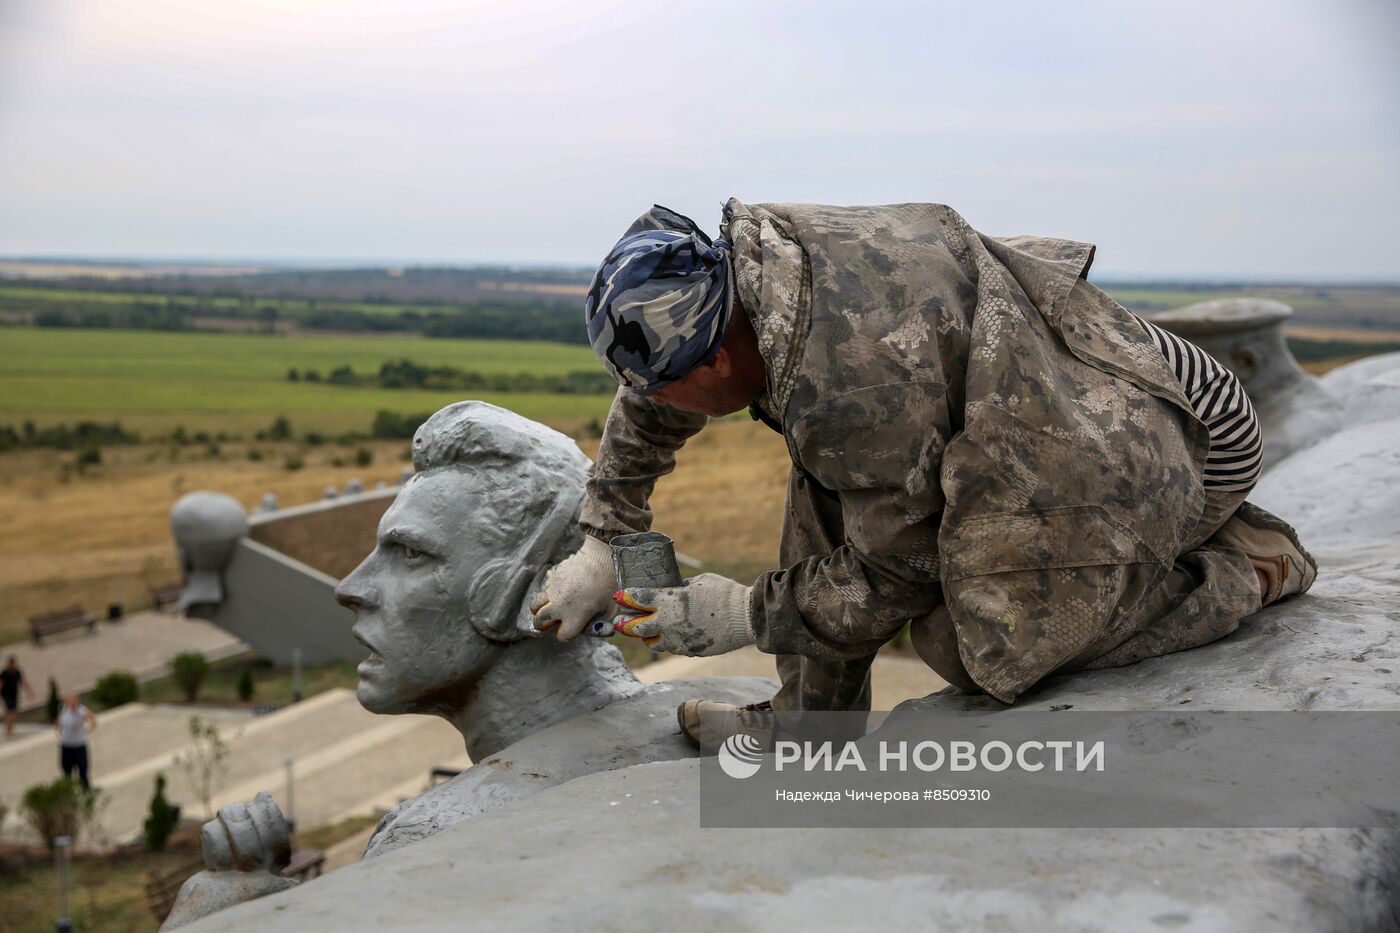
189, 669
115, 689
245, 684
161, 818
59, 809
84, 435
54, 703
389, 425
92, 456
294, 462
1307, 351
254, 454
364, 457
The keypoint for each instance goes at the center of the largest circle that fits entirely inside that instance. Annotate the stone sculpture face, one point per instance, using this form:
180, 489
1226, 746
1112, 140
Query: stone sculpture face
411, 604
442, 595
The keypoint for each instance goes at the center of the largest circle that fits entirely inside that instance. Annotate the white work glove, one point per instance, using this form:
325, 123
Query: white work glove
576, 590
708, 615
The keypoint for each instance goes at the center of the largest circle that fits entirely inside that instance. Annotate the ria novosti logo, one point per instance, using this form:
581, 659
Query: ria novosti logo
740, 756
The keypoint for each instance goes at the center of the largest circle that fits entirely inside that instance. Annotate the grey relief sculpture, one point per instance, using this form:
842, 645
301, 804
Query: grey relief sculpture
441, 606
1246, 334
245, 849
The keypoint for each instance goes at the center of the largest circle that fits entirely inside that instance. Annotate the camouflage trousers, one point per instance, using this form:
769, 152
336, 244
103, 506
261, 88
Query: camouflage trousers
1203, 597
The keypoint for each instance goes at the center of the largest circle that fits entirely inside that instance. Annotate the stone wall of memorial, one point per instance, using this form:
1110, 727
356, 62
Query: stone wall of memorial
333, 536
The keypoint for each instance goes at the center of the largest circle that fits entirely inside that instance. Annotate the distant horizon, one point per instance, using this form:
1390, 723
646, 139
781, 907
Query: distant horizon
270, 264
1257, 140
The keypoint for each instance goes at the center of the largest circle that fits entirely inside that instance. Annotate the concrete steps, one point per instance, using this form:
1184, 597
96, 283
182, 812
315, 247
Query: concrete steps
353, 776
124, 738
344, 759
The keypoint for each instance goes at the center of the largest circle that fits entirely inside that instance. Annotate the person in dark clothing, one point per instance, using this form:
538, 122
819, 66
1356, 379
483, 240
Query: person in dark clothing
11, 682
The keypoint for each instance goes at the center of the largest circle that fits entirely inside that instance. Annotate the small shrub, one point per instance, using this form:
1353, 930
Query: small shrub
281, 429
161, 818
54, 702
189, 669
254, 454
91, 456
337, 461
294, 462
115, 689
364, 457
314, 438
205, 761
55, 809
245, 685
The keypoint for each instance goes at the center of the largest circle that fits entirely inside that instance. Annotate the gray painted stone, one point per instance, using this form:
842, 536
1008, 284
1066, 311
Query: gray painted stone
441, 607
637, 730
245, 849
277, 604
1370, 389
622, 850
207, 527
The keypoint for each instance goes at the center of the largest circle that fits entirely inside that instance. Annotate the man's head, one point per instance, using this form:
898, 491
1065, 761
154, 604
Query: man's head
494, 502
70, 700
663, 318
12, 661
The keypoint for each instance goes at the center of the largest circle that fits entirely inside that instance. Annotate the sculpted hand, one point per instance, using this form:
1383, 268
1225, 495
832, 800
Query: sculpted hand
576, 590
708, 615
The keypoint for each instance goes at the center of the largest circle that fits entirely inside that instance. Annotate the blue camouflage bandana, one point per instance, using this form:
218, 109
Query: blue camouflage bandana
660, 301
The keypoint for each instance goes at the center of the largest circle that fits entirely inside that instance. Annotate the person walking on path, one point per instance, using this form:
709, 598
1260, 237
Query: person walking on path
74, 723
11, 682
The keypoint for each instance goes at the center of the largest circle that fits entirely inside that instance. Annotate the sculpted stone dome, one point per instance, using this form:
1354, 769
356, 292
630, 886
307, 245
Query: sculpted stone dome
207, 527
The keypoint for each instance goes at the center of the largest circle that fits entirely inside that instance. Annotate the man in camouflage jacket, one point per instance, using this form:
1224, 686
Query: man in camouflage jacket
982, 444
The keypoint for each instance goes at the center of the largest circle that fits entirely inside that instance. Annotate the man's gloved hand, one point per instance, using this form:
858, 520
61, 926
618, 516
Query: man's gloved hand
576, 590
708, 615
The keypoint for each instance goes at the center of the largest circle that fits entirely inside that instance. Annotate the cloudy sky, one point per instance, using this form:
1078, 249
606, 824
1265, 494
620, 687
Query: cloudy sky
1250, 138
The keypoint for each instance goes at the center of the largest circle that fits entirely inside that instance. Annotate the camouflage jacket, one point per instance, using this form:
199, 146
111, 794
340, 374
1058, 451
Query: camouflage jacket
976, 406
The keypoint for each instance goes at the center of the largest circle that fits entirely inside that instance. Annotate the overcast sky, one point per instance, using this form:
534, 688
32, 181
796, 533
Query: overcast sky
1219, 139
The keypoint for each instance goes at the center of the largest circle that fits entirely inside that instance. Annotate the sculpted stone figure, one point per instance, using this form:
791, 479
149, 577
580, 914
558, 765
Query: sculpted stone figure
441, 605
245, 849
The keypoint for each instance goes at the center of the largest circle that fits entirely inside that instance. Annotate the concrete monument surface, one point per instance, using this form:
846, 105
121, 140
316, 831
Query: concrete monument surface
623, 850
441, 607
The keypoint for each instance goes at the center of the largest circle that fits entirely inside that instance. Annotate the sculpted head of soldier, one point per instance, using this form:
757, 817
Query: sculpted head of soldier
494, 502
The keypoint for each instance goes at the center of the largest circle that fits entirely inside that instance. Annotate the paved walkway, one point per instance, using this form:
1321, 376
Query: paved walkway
142, 643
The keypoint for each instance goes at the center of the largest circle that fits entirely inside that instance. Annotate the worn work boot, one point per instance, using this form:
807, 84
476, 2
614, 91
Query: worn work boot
1273, 548
709, 722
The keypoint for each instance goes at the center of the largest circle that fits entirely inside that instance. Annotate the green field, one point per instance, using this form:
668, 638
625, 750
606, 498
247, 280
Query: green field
147, 379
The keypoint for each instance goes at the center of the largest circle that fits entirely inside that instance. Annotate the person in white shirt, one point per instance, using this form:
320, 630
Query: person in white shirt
74, 723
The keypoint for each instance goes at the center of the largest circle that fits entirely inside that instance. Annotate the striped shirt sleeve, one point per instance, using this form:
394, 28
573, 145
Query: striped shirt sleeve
1236, 446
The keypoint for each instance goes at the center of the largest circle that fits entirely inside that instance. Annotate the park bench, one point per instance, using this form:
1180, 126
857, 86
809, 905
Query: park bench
163, 887
167, 594
305, 864
54, 622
